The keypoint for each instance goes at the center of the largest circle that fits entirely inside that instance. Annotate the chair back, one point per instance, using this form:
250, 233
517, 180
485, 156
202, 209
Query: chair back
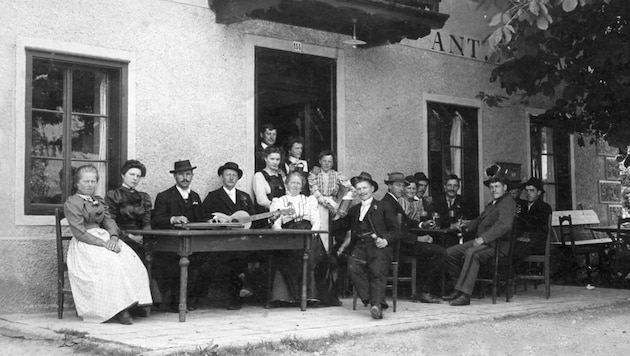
566, 230
618, 240
61, 261
62, 268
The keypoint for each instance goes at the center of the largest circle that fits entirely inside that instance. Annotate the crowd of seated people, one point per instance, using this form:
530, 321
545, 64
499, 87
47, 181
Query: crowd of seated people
103, 258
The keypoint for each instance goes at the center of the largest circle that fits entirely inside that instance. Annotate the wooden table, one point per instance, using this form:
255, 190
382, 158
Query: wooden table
609, 230
187, 242
438, 233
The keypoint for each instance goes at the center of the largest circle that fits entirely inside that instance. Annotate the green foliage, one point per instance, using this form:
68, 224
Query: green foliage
573, 51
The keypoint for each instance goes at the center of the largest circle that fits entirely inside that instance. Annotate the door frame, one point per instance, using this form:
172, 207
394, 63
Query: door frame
253, 41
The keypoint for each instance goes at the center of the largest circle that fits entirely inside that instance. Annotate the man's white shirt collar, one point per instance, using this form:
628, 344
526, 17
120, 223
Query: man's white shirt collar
183, 192
231, 193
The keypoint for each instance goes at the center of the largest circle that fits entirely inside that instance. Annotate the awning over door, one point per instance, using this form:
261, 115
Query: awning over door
378, 22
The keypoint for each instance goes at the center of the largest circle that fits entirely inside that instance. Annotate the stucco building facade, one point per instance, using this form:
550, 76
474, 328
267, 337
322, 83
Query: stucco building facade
190, 92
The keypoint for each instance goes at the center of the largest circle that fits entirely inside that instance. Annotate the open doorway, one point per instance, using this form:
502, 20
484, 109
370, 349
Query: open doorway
296, 93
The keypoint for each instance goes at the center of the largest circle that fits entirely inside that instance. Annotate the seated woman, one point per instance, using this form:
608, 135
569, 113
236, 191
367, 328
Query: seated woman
287, 278
107, 278
131, 209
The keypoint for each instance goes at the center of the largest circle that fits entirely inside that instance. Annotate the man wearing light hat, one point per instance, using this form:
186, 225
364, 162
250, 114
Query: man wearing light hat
430, 256
493, 225
374, 230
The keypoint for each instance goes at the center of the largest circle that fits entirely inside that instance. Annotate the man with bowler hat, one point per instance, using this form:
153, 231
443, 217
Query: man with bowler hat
177, 205
374, 231
532, 216
430, 256
228, 200
493, 226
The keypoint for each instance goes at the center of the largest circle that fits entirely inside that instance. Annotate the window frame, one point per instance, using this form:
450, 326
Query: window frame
251, 42
531, 122
437, 187
126, 59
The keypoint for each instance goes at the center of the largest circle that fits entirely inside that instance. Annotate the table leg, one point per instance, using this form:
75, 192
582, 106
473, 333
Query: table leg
307, 251
183, 287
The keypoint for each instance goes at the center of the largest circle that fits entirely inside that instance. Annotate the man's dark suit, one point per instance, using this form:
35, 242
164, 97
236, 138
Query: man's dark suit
170, 203
167, 204
368, 265
493, 224
431, 257
531, 224
218, 201
450, 215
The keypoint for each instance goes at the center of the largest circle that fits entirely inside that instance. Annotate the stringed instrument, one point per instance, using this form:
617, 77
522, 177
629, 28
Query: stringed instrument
242, 217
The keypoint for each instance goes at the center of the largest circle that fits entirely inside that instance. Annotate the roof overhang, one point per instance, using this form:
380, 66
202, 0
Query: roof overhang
378, 21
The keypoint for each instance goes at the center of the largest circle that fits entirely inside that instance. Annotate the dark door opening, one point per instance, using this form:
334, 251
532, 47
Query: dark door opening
296, 93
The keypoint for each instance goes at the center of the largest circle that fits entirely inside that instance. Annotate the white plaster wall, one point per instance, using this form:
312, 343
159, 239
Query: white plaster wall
189, 102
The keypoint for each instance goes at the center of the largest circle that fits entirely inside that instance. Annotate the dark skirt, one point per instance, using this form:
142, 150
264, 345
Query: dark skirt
287, 273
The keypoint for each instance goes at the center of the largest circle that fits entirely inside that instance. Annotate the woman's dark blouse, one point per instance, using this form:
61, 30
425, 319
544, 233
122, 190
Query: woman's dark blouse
130, 208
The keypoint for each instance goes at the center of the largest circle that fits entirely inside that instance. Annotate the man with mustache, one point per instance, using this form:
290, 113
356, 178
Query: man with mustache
176, 205
451, 206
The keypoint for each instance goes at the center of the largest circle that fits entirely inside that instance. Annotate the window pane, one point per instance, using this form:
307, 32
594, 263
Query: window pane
48, 80
89, 137
101, 188
46, 181
548, 170
47, 134
546, 140
89, 92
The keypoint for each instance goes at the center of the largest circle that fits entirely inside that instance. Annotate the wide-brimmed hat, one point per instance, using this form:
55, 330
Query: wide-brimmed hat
395, 177
181, 166
537, 183
230, 165
364, 177
496, 173
420, 176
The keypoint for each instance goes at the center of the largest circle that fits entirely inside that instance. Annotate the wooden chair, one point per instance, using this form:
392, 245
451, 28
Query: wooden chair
393, 280
621, 239
501, 270
536, 260
62, 267
567, 239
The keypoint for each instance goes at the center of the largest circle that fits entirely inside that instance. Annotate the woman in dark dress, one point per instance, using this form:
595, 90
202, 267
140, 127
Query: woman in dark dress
130, 208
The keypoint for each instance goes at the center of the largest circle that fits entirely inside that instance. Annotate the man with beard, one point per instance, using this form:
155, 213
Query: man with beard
176, 205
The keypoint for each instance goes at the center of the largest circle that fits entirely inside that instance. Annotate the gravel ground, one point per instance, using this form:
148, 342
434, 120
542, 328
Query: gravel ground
604, 331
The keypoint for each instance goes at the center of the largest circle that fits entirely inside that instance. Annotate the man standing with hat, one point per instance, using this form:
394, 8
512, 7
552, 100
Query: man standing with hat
176, 205
228, 200
532, 216
374, 230
494, 224
430, 257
